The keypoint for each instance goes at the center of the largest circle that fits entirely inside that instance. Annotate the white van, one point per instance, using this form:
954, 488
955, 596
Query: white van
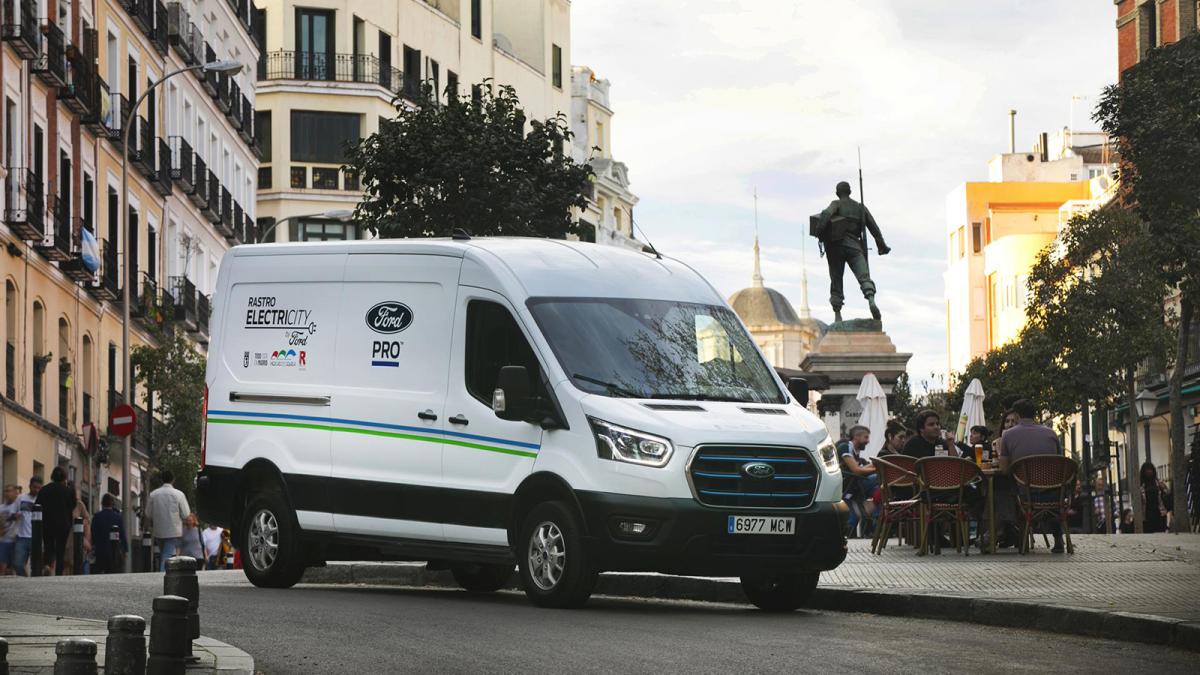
475, 403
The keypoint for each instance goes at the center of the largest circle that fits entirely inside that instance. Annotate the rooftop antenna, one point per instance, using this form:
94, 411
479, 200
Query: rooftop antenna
644, 236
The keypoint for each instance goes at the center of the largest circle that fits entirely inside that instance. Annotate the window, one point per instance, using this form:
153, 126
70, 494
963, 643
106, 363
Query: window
494, 340
385, 61
320, 230
264, 178
114, 487
350, 180
314, 44
977, 237
299, 177
324, 178
412, 71
435, 77
39, 358
151, 253
477, 19
323, 136
961, 239
10, 342
556, 65
262, 126
476, 94
133, 250
10, 129
451, 85
599, 143
39, 470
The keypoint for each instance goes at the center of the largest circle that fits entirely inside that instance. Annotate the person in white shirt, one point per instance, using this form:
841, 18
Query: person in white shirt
24, 525
212, 545
166, 508
9, 522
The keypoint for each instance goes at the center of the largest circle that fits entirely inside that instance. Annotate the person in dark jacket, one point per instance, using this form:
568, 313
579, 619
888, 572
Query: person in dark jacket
102, 524
58, 508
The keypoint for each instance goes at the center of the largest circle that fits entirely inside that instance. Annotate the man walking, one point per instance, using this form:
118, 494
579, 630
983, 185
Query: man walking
24, 523
58, 510
108, 561
842, 229
165, 510
9, 522
1025, 439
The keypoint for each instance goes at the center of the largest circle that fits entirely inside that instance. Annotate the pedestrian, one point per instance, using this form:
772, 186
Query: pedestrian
81, 512
191, 545
58, 506
1154, 500
211, 537
1101, 504
102, 524
24, 542
9, 523
166, 509
1026, 439
1127, 521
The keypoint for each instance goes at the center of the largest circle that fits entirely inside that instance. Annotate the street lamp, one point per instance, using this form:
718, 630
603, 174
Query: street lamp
332, 214
1147, 404
224, 66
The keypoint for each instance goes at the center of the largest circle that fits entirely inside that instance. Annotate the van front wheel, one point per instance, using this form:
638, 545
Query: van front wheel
780, 591
555, 571
271, 552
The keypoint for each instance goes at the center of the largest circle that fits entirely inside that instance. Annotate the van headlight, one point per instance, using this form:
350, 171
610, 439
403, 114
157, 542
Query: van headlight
627, 445
828, 453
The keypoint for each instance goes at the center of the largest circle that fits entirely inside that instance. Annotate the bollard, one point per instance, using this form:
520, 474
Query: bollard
125, 648
180, 579
75, 656
35, 558
169, 636
3, 656
114, 550
77, 547
146, 555
229, 560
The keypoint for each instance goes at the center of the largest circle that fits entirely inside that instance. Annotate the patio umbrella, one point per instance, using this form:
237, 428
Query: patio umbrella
972, 411
874, 413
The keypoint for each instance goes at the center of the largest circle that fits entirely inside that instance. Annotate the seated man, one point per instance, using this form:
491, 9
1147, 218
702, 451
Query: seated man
1025, 439
859, 481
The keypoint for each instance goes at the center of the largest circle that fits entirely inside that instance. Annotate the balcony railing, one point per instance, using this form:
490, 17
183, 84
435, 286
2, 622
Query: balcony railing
24, 204
82, 93
51, 65
203, 310
185, 300
319, 66
115, 109
235, 105
162, 182
199, 193
10, 369
236, 224
226, 224
74, 267
179, 31
56, 245
208, 77
212, 207
159, 37
181, 164
141, 147
19, 28
142, 13
249, 230
246, 131
110, 276
223, 93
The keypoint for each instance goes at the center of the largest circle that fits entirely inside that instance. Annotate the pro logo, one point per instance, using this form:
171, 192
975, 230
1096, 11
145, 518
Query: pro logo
389, 317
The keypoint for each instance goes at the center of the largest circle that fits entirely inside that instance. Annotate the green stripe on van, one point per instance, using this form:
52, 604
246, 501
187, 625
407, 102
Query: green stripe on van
375, 432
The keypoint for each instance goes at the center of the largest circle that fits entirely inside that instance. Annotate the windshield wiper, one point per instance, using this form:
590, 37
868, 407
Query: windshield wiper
612, 388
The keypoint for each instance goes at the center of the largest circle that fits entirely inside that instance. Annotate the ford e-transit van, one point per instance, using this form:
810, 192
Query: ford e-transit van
563, 407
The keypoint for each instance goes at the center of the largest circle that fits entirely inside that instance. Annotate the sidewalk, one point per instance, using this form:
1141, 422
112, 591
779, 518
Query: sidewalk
31, 639
1142, 588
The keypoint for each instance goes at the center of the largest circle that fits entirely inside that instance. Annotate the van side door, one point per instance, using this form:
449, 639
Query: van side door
397, 319
485, 458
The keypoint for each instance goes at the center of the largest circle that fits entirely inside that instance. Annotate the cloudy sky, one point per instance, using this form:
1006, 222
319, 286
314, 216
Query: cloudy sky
715, 98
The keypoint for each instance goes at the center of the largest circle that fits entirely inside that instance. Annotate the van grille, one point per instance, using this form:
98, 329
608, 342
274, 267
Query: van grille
718, 479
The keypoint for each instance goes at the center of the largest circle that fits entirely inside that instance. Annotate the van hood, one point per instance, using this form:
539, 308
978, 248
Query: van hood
691, 423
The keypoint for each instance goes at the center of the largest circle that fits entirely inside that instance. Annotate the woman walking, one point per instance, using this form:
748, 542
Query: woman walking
1154, 500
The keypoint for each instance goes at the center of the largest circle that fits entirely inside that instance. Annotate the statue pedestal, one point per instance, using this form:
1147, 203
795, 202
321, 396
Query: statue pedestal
847, 352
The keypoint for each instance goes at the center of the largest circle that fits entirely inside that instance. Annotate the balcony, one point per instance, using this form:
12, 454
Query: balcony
236, 224
141, 148
81, 95
212, 205
225, 226
56, 245
203, 310
162, 181
185, 301
143, 301
199, 192
24, 206
74, 267
235, 105
159, 37
249, 230
181, 164
114, 112
179, 31
109, 287
246, 130
208, 78
223, 91
314, 66
142, 13
19, 28
51, 65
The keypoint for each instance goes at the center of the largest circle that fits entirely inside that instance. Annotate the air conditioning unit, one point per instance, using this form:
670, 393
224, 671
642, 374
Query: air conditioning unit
177, 22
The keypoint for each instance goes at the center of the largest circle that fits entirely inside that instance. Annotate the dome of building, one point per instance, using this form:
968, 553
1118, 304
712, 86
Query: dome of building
761, 306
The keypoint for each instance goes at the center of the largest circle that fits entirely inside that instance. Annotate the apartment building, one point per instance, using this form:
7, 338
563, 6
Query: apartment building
70, 73
1143, 25
609, 214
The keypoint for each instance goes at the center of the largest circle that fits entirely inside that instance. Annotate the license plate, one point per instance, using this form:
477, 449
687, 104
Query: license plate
761, 525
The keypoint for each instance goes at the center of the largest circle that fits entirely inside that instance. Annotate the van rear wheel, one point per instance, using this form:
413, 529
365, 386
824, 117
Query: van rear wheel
271, 551
554, 567
482, 578
779, 591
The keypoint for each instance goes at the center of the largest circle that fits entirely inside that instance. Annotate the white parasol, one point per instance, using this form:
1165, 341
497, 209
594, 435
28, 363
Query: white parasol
874, 413
972, 411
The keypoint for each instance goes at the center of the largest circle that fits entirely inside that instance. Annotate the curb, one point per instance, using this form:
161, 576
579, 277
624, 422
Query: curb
1083, 621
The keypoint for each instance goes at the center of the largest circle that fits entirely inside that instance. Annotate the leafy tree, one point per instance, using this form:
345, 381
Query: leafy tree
1152, 115
174, 371
475, 165
1020, 369
904, 408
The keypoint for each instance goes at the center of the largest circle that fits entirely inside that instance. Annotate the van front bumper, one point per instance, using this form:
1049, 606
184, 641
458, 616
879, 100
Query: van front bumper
685, 537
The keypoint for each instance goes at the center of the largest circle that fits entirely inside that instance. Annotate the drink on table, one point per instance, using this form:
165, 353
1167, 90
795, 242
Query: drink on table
979, 454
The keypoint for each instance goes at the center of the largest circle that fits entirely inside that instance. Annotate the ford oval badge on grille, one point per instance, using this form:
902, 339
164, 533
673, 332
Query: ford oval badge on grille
760, 470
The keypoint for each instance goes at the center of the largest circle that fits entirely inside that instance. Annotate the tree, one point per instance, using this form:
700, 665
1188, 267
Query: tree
471, 165
904, 408
1020, 369
1098, 297
174, 371
1152, 115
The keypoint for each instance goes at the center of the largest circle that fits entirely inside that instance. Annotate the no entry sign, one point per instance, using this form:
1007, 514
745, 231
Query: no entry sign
123, 421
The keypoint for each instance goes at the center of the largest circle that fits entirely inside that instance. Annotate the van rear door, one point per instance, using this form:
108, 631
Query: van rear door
397, 319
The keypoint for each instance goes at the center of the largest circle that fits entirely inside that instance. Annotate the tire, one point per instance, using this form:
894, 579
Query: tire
779, 591
269, 520
555, 524
482, 578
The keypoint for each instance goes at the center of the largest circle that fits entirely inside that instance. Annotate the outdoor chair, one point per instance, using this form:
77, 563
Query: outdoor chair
1045, 485
944, 498
900, 498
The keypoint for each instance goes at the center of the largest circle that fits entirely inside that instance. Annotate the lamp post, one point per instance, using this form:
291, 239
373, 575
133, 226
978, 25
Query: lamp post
332, 214
224, 66
1147, 405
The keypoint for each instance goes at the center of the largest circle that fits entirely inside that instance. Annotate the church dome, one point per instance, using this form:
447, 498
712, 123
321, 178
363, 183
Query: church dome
762, 306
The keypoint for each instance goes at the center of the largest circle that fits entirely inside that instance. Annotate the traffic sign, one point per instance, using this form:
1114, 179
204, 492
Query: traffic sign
123, 421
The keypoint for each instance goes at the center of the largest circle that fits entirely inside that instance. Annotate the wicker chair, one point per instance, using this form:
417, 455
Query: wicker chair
945, 481
1045, 486
901, 498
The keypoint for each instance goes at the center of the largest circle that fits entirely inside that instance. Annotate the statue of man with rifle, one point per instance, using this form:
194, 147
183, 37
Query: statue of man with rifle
842, 230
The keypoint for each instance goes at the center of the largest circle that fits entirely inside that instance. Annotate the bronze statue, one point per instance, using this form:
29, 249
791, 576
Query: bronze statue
842, 229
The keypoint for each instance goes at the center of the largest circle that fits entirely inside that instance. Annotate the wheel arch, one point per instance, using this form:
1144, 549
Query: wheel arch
255, 473
535, 489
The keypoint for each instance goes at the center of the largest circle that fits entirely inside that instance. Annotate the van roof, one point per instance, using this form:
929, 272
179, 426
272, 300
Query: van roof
544, 267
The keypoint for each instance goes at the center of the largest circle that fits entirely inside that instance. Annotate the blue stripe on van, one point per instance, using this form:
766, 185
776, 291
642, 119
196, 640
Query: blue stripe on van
377, 425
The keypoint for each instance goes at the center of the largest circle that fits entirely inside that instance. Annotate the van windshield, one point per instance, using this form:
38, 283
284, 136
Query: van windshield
655, 349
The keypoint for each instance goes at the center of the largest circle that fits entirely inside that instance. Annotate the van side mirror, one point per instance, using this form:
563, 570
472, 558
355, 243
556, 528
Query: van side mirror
510, 400
798, 388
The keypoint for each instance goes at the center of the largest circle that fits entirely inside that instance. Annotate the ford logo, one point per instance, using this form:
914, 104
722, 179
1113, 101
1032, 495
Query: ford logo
389, 317
760, 470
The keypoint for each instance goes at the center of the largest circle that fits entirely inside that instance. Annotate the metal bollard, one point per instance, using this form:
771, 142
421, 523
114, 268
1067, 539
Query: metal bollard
114, 550
229, 560
147, 553
125, 648
75, 656
3, 656
77, 547
180, 579
35, 558
169, 636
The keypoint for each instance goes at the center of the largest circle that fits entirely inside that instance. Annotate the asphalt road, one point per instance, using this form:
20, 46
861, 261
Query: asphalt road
355, 629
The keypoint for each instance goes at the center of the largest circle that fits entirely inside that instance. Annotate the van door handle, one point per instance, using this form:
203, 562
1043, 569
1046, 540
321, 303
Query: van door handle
459, 419
427, 415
